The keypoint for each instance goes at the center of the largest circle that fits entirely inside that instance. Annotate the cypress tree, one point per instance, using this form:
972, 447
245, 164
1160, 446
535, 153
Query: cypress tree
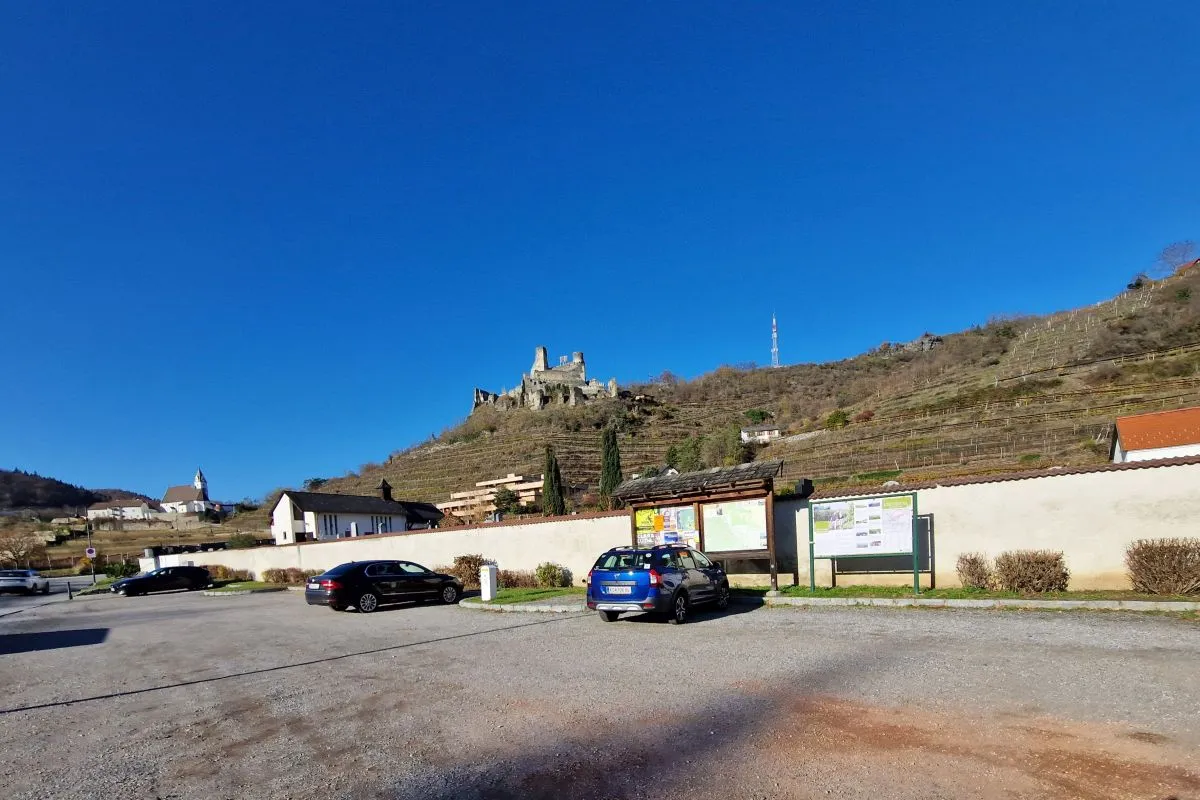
610, 470
553, 503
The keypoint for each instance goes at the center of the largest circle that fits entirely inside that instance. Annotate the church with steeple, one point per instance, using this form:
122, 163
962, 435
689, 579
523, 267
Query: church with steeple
187, 499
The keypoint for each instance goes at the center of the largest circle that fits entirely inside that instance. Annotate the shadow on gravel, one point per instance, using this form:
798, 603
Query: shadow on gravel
649, 754
11, 643
293, 665
698, 615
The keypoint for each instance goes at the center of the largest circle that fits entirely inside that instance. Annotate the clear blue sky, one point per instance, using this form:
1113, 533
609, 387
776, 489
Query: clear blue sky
284, 240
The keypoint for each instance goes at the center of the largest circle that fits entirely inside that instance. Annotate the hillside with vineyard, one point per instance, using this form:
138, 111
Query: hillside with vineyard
1015, 394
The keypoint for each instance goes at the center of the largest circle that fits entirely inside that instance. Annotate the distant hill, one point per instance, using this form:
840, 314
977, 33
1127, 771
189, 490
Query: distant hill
1014, 394
30, 491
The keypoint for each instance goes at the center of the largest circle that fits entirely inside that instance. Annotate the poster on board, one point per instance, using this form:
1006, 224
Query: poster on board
862, 526
668, 525
735, 525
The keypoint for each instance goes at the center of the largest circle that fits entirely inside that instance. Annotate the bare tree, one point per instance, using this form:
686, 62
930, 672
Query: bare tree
1172, 257
19, 548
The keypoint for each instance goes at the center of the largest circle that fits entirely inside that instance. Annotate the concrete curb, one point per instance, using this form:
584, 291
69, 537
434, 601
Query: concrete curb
526, 608
240, 592
1054, 605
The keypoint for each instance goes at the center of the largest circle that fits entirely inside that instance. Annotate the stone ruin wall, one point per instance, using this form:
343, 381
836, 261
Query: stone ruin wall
546, 384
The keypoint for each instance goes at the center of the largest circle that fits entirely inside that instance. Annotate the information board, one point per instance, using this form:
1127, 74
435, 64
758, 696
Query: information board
667, 525
862, 526
735, 525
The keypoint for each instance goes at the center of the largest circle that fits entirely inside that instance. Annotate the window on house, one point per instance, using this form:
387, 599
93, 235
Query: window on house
296, 512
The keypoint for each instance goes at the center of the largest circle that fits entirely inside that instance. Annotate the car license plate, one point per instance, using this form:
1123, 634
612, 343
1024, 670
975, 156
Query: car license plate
618, 590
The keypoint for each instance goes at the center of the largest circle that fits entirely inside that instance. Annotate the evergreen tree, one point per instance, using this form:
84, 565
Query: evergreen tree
506, 500
610, 470
553, 502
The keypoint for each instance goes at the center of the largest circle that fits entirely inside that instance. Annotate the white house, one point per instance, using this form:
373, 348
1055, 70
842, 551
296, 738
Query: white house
1160, 434
761, 434
130, 508
313, 516
189, 499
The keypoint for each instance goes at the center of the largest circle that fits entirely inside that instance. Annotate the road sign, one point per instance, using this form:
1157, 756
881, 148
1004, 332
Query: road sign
90, 552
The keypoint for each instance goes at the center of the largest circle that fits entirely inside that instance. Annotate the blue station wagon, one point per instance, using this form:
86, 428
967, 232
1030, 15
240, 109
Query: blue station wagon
667, 579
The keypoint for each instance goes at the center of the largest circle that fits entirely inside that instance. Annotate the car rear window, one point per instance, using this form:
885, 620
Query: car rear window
631, 560
342, 569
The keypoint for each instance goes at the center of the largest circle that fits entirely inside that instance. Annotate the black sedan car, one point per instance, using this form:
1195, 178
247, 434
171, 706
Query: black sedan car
162, 580
366, 585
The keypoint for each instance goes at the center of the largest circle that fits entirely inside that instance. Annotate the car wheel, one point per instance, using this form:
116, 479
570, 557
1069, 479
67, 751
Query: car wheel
722, 597
449, 595
368, 602
609, 616
679, 610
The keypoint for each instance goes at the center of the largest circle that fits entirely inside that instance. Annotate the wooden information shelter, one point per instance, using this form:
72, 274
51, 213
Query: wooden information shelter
728, 513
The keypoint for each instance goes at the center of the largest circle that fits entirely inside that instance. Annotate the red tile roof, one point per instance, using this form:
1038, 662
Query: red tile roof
1159, 429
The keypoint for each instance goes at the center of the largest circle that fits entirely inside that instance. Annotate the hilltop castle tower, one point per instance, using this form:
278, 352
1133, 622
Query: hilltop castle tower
566, 383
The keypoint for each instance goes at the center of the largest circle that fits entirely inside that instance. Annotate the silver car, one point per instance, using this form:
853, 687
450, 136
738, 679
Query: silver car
23, 580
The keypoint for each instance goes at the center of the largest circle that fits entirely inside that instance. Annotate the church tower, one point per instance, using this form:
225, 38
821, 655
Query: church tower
200, 483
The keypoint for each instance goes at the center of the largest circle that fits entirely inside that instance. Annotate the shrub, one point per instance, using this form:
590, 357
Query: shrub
517, 579
292, 576
240, 541
121, 569
550, 574
865, 416
975, 571
466, 569
838, 419
275, 576
220, 572
83, 566
1164, 566
1032, 571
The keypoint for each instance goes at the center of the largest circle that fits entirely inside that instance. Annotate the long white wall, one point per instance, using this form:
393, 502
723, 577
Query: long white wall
573, 542
1091, 517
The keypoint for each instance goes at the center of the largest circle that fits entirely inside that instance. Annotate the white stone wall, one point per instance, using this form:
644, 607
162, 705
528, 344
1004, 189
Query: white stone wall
573, 542
1091, 517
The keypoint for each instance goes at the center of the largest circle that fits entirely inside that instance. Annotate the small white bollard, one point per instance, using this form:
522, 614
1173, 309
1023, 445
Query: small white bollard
488, 574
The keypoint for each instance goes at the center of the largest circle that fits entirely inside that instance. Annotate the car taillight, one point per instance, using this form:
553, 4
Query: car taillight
330, 585
655, 578
588, 579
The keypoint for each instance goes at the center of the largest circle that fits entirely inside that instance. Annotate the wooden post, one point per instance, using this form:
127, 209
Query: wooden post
771, 536
633, 525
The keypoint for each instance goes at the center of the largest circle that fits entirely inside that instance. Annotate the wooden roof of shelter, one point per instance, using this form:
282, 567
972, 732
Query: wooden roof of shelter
707, 481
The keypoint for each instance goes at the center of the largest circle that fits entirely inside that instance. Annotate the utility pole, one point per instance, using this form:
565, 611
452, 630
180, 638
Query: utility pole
774, 341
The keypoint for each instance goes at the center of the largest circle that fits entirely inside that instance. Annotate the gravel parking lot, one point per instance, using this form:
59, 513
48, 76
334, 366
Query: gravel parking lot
262, 696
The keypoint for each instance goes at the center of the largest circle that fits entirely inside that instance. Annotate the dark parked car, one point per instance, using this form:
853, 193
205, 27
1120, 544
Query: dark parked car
366, 585
162, 580
667, 579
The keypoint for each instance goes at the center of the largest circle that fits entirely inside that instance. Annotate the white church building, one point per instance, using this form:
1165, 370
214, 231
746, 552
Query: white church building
189, 499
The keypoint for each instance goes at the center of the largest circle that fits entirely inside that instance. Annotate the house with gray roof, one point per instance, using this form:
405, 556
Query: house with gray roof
318, 516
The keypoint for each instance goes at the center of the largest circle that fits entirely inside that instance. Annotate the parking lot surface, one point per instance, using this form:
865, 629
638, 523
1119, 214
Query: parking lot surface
182, 696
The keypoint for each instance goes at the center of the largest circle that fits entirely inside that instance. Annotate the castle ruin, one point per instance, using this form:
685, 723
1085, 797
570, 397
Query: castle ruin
566, 383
